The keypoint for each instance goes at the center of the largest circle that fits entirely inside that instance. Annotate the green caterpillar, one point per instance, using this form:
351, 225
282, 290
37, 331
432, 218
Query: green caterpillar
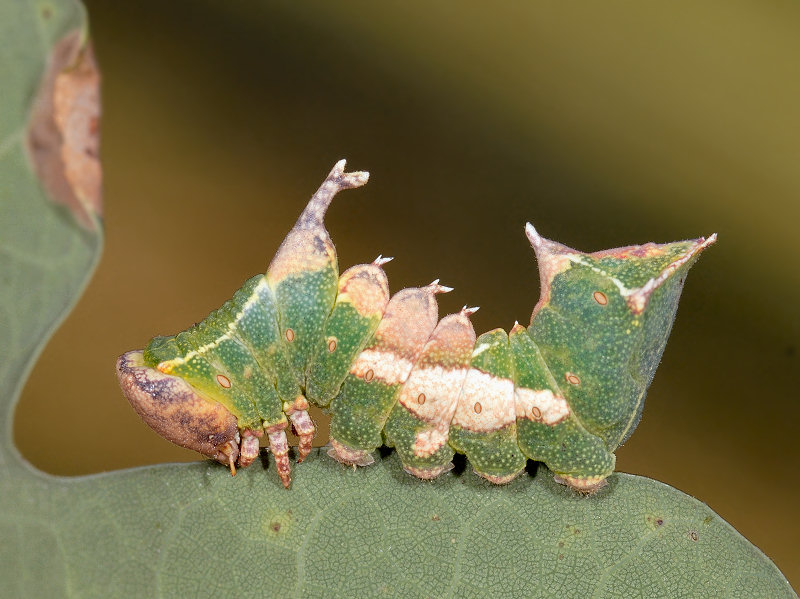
566, 391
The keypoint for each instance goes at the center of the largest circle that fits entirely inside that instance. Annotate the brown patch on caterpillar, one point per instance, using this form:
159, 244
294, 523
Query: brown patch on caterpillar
585, 486
224, 381
499, 480
540, 405
177, 412
572, 378
350, 457
308, 247
365, 287
486, 402
289, 335
63, 139
638, 299
408, 321
646, 250
301, 251
332, 344
428, 473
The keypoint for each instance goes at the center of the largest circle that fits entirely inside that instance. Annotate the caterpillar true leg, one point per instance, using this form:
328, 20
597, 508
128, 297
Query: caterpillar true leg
248, 450
302, 425
279, 446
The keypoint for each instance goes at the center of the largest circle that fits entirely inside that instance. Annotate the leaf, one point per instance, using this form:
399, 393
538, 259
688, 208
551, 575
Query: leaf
192, 530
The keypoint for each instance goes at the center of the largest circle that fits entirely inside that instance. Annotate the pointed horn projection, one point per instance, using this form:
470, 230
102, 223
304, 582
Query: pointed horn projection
336, 181
381, 260
437, 288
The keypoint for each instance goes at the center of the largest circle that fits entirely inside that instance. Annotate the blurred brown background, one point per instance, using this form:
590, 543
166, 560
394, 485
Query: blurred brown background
605, 124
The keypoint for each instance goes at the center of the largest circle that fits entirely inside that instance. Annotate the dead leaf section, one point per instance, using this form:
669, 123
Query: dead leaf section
64, 130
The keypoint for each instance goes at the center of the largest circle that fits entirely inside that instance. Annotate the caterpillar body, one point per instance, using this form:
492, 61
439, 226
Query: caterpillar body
567, 390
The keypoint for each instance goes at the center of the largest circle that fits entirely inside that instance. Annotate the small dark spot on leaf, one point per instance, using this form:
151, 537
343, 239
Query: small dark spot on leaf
708, 520
659, 522
275, 527
560, 556
435, 518
693, 535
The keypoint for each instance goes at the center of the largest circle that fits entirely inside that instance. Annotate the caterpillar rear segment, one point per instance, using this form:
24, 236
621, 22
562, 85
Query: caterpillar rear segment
567, 391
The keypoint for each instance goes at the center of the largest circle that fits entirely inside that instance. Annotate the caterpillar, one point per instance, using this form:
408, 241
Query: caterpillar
567, 390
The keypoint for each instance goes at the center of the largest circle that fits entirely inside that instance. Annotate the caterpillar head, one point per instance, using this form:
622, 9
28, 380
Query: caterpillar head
173, 409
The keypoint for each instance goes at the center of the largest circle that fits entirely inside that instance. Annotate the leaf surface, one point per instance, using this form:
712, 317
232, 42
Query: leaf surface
192, 530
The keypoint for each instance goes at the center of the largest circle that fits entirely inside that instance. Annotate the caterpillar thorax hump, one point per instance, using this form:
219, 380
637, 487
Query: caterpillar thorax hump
567, 390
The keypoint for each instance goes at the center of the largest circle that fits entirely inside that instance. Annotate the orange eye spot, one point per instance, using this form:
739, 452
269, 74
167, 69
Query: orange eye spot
332, 345
536, 413
224, 381
600, 298
572, 379
289, 335
369, 375
477, 407
421, 398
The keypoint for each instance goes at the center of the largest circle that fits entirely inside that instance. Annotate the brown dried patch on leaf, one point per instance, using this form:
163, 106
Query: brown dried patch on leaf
64, 130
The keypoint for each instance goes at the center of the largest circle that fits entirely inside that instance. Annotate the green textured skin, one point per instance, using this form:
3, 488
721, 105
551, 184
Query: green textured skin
567, 448
328, 370
304, 303
201, 374
257, 327
494, 453
613, 351
359, 412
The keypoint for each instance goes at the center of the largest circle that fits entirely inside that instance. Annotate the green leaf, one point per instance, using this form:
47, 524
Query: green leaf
194, 531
